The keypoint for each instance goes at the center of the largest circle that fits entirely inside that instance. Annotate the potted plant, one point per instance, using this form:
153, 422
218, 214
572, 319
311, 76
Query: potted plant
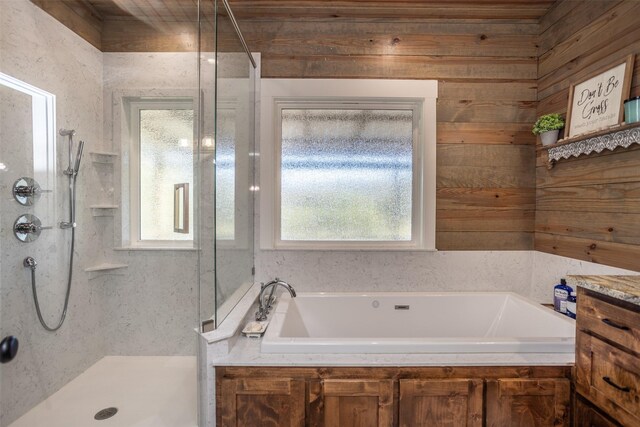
548, 127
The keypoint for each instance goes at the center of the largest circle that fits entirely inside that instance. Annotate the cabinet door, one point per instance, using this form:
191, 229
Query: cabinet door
528, 402
261, 402
441, 403
351, 403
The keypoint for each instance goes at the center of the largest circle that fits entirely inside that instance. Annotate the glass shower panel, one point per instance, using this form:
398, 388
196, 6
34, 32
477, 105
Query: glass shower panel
227, 160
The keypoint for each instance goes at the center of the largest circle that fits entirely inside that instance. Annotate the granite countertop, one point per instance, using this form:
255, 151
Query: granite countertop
625, 288
246, 352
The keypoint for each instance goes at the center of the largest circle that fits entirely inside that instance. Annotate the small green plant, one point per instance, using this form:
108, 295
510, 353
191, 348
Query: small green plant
548, 122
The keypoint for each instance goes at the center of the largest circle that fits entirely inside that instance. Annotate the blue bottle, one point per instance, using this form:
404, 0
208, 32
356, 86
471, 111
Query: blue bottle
571, 305
561, 293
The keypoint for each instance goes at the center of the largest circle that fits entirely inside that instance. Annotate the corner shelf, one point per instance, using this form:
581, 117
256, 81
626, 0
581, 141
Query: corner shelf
595, 142
103, 210
102, 156
106, 267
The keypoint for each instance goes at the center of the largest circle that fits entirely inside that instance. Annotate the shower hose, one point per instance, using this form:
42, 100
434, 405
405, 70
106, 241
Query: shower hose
66, 298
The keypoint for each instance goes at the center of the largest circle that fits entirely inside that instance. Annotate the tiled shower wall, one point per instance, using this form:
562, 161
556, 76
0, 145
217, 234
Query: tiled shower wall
148, 308
38, 50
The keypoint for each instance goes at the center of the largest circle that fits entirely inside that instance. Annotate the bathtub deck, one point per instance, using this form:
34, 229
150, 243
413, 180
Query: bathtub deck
246, 352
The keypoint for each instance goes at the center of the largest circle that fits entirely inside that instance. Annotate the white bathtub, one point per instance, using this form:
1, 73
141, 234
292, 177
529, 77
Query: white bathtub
477, 322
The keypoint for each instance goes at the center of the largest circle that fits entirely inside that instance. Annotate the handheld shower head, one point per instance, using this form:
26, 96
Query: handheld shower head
76, 166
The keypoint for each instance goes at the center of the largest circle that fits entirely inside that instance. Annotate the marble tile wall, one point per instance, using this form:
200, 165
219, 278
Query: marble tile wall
36, 49
529, 273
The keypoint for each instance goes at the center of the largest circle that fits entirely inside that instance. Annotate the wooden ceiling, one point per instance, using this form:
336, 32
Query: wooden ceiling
128, 25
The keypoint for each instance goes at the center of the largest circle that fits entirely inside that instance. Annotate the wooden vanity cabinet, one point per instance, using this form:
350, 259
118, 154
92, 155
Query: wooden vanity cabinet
528, 402
608, 358
273, 401
450, 403
350, 402
385, 397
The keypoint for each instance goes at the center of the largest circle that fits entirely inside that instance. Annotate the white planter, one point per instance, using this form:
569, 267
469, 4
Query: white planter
549, 137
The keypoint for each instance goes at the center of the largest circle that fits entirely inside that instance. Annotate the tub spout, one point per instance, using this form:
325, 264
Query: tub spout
264, 307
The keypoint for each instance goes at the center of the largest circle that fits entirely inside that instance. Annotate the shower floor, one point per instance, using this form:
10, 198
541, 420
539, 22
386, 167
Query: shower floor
148, 391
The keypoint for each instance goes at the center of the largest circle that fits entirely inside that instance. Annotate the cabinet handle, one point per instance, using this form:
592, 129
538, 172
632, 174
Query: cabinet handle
615, 325
614, 385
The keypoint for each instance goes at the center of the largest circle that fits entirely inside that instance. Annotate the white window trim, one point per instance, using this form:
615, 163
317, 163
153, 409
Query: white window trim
278, 92
134, 172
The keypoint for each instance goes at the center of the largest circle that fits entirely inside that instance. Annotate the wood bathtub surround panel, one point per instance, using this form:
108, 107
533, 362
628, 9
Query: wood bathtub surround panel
617, 25
620, 166
605, 198
452, 198
596, 359
556, 100
135, 36
497, 90
486, 111
525, 403
475, 240
559, 23
397, 67
391, 42
411, 10
485, 219
597, 251
484, 133
274, 401
350, 403
443, 403
606, 227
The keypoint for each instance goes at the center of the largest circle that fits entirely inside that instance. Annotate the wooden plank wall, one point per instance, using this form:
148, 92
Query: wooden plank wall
487, 73
487, 103
588, 208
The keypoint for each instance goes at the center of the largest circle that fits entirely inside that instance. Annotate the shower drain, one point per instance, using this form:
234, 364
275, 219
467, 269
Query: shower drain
105, 413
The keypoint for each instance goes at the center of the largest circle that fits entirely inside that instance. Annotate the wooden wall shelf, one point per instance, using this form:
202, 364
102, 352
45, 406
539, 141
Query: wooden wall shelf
595, 142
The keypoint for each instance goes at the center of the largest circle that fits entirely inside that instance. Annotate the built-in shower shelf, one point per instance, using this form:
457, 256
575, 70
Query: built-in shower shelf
106, 267
103, 156
103, 210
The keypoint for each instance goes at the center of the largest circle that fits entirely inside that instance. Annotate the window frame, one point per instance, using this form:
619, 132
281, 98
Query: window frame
135, 218
416, 95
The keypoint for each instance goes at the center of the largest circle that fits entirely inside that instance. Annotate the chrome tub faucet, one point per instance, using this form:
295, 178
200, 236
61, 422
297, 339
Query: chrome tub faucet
264, 307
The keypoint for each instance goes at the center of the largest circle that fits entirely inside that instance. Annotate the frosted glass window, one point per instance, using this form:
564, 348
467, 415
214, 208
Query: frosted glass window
346, 174
225, 174
166, 159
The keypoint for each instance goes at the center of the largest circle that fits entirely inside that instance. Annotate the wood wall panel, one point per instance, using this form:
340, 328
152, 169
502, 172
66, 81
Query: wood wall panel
588, 207
487, 73
482, 52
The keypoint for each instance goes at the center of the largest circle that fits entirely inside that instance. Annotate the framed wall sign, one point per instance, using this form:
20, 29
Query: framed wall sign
597, 102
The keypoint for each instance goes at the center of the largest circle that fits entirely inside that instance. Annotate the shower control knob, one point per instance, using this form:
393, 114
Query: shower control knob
27, 191
27, 228
8, 349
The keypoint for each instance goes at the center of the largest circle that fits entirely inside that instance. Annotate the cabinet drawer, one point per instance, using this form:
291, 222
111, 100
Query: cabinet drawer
610, 378
617, 324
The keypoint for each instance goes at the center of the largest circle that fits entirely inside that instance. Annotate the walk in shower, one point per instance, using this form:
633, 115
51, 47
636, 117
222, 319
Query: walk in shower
115, 251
